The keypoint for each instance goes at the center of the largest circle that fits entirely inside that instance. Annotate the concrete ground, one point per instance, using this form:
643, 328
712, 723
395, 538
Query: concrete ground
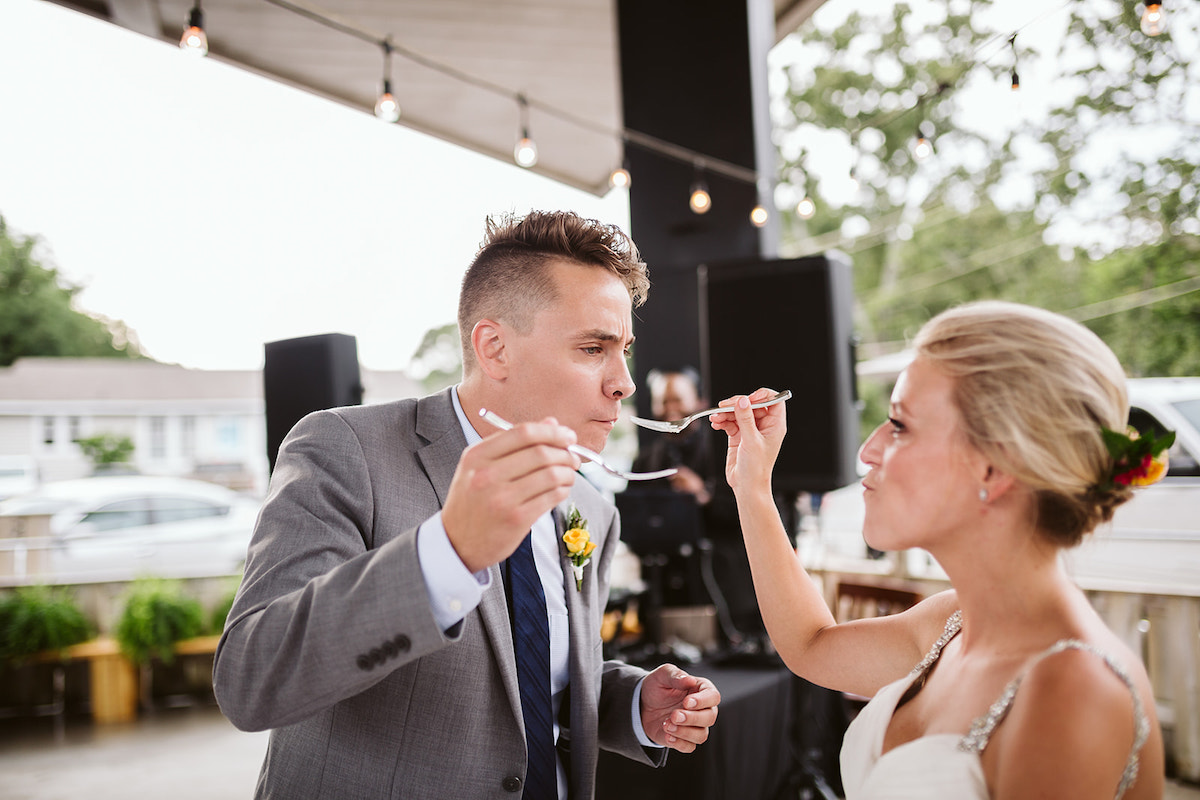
181, 753
178, 753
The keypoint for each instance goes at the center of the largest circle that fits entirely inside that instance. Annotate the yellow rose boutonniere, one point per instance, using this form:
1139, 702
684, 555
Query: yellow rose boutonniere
579, 545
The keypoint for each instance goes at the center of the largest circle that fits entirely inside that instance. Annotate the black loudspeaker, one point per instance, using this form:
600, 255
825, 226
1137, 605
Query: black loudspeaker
787, 324
305, 375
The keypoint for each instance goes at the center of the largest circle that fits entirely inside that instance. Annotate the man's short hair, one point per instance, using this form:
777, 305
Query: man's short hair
509, 281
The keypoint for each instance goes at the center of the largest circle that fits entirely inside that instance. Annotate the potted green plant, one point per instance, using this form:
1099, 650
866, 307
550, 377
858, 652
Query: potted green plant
156, 615
38, 618
33, 620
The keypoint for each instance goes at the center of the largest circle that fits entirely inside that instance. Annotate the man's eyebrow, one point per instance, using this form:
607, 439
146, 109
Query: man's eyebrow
596, 334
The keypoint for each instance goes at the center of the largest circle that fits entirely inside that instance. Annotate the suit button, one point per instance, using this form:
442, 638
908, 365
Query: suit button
364, 663
389, 648
402, 643
376, 655
512, 784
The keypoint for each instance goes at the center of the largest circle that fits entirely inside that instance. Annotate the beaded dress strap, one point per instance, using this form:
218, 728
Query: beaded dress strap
953, 626
982, 728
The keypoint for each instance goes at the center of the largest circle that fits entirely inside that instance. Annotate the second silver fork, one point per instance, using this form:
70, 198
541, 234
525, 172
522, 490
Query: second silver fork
679, 425
585, 453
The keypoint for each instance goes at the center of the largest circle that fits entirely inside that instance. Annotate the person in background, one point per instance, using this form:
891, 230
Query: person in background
673, 395
1006, 443
410, 623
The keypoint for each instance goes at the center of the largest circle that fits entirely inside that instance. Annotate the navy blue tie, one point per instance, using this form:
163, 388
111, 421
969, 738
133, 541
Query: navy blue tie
531, 641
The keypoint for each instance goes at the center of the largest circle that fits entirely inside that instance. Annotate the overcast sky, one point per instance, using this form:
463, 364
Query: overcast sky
213, 210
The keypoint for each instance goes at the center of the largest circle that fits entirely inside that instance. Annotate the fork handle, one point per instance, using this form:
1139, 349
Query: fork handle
786, 394
583, 452
505, 425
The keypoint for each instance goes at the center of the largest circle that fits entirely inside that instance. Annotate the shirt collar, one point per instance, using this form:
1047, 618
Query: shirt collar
468, 429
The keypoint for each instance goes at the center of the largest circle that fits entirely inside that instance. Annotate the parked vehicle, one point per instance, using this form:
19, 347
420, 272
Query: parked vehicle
18, 475
1153, 540
117, 528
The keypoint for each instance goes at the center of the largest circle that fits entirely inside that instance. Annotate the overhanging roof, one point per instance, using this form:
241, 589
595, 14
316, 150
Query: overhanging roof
456, 68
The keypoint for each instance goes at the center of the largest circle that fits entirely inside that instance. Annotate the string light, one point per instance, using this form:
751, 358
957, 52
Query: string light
386, 107
525, 153
806, 208
1016, 80
759, 216
922, 149
700, 201
620, 177
194, 41
1152, 18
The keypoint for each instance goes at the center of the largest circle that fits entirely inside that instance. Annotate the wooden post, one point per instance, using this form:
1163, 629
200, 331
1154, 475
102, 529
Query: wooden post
1182, 645
113, 680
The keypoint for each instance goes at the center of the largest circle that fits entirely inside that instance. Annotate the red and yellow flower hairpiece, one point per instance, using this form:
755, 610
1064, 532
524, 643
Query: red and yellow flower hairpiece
1137, 459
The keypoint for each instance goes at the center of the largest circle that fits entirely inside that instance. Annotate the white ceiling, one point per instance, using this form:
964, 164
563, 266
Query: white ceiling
456, 68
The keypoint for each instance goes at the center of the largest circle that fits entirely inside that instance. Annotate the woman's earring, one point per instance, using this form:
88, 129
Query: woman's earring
983, 495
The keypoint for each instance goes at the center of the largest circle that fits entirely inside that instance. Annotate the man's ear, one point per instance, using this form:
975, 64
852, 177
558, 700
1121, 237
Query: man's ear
488, 342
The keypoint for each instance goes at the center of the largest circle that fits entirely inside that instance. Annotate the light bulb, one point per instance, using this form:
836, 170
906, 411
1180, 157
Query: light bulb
700, 201
194, 41
525, 153
758, 216
620, 178
386, 107
806, 208
922, 149
1016, 81
1152, 19
854, 184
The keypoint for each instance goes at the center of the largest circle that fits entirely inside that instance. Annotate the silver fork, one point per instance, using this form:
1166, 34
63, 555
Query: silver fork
583, 452
678, 425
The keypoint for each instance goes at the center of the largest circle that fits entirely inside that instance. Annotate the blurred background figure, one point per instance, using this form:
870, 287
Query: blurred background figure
674, 395
663, 521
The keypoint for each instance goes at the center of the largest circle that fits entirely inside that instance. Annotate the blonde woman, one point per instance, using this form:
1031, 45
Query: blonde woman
993, 459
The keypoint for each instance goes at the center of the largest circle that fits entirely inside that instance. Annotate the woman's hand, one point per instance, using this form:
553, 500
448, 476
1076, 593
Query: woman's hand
755, 436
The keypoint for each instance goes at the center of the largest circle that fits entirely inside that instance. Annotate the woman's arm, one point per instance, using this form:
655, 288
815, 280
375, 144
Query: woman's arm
859, 656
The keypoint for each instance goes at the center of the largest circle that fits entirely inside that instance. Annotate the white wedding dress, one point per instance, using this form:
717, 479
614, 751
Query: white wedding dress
946, 766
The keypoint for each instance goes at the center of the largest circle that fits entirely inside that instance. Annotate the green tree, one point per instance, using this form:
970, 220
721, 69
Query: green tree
1110, 241
37, 313
1127, 146
437, 362
107, 448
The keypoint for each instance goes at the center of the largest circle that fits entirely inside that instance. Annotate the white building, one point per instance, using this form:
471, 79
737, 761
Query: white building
183, 422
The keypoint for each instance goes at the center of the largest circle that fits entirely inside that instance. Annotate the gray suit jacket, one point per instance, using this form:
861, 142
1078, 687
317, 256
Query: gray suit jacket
331, 642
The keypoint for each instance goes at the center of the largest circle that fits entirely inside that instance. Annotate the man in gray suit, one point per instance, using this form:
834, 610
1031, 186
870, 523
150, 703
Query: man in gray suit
372, 631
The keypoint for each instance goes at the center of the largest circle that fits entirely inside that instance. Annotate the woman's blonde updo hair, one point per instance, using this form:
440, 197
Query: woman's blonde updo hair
1034, 389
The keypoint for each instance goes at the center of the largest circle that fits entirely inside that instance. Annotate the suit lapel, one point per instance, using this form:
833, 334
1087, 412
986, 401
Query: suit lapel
584, 634
493, 611
438, 425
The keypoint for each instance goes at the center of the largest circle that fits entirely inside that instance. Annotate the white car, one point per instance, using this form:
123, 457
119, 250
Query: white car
122, 527
18, 475
1153, 541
